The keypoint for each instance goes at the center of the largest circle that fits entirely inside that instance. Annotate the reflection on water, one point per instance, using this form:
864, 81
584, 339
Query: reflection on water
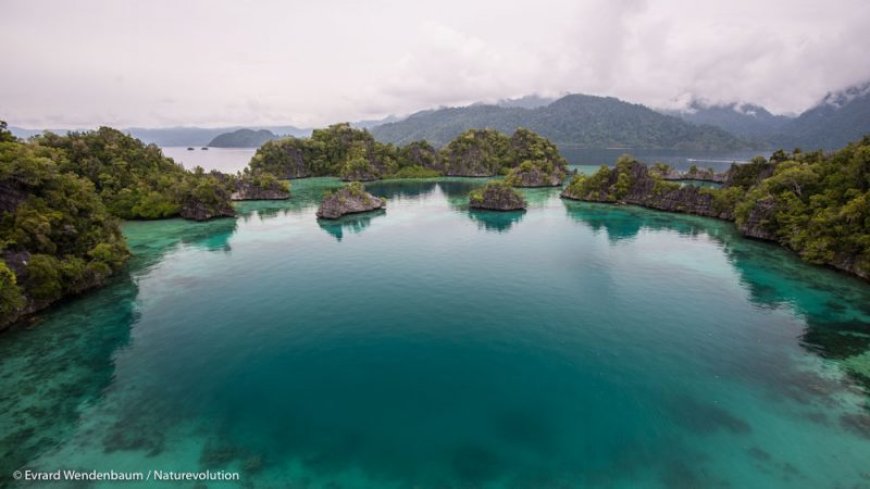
351, 223
836, 307
406, 189
54, 367
494, 220
150, 240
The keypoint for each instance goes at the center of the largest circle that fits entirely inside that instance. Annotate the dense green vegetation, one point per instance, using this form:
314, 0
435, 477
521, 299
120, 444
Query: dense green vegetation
134, 180
815, 204
577, 120
61, 198
496, 195
354, 155
478, 152
242, 138
339, 150
612, 184
416, 171
477, 195
56, 235
261, 180
819, 205
420, 154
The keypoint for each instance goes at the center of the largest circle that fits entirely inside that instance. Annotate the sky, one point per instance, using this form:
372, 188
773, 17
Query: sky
160, 63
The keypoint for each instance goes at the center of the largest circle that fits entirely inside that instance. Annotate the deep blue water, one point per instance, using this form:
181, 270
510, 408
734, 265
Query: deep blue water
429, 346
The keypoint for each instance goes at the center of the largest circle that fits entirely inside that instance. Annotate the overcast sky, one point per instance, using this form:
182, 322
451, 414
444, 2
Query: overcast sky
208, 62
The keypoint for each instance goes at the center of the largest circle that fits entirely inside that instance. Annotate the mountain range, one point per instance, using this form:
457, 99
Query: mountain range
748, 121
576, 120
840, 117
584, 121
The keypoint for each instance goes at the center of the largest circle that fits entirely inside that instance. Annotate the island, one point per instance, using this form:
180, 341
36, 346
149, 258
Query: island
536, 174
813, 203
259, 186
354, 155
496, 196
242, 138
63, 198
350, 199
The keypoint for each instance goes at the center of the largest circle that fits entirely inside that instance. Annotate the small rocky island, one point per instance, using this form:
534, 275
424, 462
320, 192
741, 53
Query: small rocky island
350, 199
537, 174
262, 186
496, 196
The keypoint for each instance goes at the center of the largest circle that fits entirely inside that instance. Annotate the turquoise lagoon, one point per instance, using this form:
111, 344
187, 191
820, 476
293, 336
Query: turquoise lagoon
428, 346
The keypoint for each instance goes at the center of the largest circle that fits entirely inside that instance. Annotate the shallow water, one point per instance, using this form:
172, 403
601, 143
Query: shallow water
572, 345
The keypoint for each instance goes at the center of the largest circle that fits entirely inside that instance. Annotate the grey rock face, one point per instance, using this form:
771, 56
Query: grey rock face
201, 211
644, 192
755, 225
348, 201
248, 191
536, 177
497, 198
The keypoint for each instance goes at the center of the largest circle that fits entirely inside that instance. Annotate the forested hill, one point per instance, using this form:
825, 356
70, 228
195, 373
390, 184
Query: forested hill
242, 138
748, 121
581, 120
840, 117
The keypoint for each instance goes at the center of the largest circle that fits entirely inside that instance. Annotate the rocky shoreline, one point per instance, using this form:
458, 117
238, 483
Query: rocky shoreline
350, 199
634, 183
647, 191
250, 191
693, 174
496, 196
535, 175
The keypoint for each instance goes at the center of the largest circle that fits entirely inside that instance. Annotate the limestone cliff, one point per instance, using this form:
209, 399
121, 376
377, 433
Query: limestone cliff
253, 190
531, 174
350, 199
496, 196
632, 183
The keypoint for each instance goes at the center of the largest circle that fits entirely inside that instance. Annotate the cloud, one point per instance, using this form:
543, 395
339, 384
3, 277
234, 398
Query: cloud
272, 62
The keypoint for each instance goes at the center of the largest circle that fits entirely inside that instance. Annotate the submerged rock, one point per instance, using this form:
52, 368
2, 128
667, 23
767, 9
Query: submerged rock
496, 196
350, 199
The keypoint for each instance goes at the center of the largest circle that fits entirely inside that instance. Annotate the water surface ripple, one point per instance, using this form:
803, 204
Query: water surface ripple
428, 346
